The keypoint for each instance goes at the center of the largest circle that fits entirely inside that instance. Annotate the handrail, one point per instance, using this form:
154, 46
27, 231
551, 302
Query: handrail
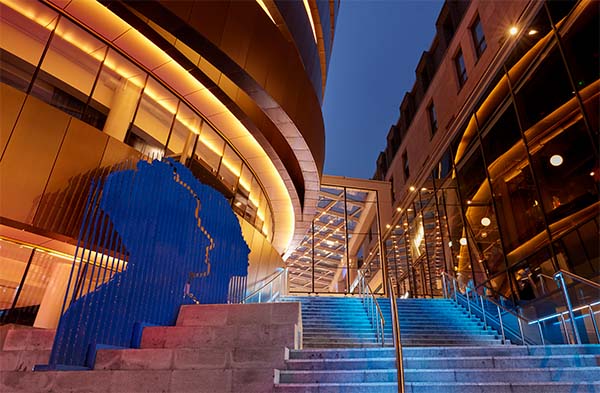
560, 280
558, 277
275, 276
576, 277
397, 336
366, 291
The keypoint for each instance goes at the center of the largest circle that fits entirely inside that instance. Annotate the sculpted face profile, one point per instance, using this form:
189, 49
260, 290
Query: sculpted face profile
181, 241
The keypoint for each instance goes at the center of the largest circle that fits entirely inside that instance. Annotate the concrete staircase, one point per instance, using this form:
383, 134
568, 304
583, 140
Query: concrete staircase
444, 351
436, 322
22, 347
212, 349
334, 322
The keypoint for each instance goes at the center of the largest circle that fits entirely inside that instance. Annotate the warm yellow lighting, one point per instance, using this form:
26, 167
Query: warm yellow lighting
485, 221
484, 234
399, 209
532, 32
264, 7
556, 160
424, 189
450, 243
387, 225
310, 19
513, 30
229, 165
412, 188
463, 241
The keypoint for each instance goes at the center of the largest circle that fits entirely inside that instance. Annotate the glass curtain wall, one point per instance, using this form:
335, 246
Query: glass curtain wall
515, 196
343, 240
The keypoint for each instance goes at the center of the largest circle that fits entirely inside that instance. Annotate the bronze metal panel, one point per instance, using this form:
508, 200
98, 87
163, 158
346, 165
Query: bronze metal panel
80, 152
117, 151
209, 16
238, 30
29, 158
11, 101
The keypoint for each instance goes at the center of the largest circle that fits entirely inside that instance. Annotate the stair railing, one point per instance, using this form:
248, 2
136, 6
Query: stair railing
559, 277
371, 305
476, 302
397, 336
270, 290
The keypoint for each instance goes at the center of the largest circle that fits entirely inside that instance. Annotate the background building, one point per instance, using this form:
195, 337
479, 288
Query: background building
232, 89
494, 159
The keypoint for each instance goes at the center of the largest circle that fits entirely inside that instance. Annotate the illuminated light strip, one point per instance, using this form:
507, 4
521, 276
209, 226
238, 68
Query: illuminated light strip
208, 143
310, 19
264, 7
564, 312
231, 168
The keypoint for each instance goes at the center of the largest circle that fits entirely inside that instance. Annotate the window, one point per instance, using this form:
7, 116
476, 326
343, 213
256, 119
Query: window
432, 118
478, 37
405, 166
461, 70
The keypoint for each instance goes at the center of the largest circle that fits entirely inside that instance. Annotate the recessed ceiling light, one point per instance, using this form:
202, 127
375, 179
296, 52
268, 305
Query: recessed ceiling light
485, 221
463, 241
556, 160
513, 30
532, 32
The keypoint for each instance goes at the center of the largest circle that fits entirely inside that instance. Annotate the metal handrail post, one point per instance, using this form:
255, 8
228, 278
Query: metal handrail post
593, 317
564, 325
501, 324
454, 287
483, 313
444, 289
521, 331
469, 303
397, 338
541, 332
569, 306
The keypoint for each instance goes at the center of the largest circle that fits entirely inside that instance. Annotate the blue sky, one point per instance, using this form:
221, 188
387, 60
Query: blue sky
375, 52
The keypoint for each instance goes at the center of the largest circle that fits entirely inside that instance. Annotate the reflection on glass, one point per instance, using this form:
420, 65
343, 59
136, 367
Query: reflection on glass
22, 41
209, 148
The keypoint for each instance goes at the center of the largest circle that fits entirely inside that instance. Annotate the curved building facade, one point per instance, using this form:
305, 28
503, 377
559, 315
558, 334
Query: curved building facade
231, 89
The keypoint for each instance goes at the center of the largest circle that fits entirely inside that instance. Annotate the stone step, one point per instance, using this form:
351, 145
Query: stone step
454, 352
238, 314
186, 358
218, 336
28, 339
445, 362
505, 375
427, 387
20, 360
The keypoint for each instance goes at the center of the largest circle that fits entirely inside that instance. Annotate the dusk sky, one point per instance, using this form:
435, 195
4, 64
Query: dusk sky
375, 52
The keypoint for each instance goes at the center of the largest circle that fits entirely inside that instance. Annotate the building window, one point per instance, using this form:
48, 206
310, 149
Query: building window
478, 37
433, 123
405, 166
461, 70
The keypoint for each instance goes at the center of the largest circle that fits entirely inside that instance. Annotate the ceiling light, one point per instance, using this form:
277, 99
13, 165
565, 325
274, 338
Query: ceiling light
485, 221
556, 160
411, 188
592, 173
387, 225
532, 32
513, 30
399, 209
484, 234
450, 243
463, 241
424, 189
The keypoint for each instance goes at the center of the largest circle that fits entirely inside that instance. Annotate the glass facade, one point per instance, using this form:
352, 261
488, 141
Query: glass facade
58, 62
514, 198
344, 239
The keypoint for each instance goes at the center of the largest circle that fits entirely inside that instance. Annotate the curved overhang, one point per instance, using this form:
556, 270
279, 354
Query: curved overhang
139, 48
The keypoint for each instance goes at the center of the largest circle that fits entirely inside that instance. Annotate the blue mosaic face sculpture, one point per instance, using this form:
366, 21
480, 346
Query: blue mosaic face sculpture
181, 241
